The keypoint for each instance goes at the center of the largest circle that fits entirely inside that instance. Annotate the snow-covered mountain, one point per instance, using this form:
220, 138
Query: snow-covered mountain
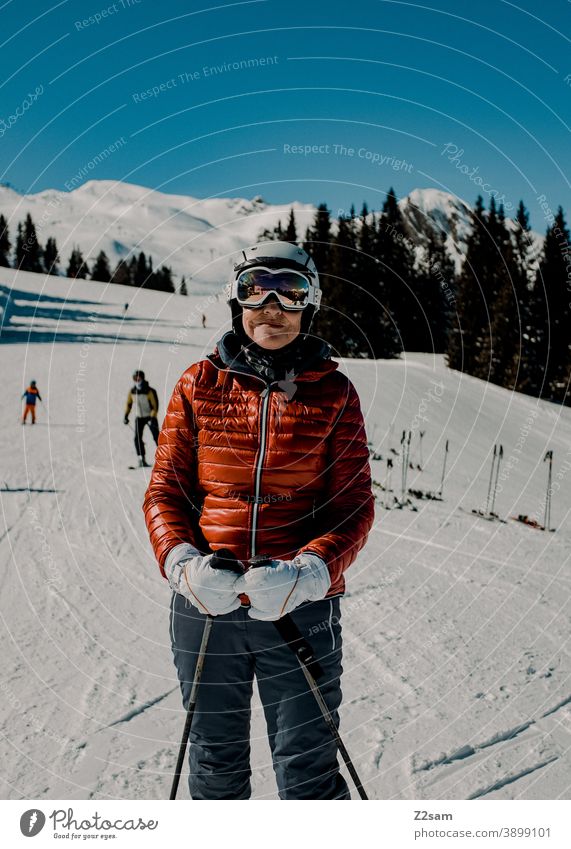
426, 210
194, 236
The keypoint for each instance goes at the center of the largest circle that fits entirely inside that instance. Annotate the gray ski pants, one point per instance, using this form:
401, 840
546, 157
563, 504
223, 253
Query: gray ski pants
304, 753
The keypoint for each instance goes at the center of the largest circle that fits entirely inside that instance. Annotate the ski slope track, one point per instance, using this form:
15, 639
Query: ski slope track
457, 681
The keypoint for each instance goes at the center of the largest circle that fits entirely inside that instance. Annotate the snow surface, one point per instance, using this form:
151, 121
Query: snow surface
457, 679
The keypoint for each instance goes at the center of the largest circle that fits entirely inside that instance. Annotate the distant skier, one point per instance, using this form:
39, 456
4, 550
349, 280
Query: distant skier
146, 403
203, 320
126, 307
31, 394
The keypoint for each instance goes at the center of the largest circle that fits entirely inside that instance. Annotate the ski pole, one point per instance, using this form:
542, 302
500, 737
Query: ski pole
388, 480
500, 455
223, 559
420, 436
406, 465
290, 634
403, 460
191, 705
491, 478
443, 468
547, 519
311, 669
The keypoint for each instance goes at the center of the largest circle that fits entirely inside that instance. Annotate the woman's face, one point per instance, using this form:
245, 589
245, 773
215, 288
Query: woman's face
269, 326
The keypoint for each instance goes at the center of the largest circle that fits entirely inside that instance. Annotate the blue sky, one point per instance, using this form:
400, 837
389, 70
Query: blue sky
212, 99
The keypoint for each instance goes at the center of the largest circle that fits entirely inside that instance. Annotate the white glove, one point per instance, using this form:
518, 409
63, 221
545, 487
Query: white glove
189, 573
278, 588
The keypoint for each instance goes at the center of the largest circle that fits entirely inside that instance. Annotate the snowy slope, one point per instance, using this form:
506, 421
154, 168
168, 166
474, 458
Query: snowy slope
457, 678
196, 236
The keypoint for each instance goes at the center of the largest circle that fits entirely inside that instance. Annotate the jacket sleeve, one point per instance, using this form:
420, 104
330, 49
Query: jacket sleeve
171, 513
129, 403
346, 515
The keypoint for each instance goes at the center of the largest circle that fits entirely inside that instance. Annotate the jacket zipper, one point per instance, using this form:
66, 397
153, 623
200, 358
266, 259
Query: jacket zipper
264, 395
265, 405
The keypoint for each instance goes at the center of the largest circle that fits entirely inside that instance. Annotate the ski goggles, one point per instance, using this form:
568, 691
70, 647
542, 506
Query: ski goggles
292, 288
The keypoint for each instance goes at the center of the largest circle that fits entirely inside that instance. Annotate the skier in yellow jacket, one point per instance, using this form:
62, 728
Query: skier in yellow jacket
143, 398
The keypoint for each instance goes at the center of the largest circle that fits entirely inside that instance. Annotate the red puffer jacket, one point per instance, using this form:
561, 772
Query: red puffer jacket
245, 466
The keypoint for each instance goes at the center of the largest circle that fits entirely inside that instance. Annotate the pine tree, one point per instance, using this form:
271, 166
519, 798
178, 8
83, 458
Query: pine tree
471, 317
32, 246
164, 281
101, 270
332, 322
121, 274
51, 257
132, 270
318, 239
142, 273
363, 303
526, 369
279, 234
396, 268
28, 249
290, 234
512, 321
554, 334
183, 290
77, 267
19, 253
436, 291
5, 243
494, 348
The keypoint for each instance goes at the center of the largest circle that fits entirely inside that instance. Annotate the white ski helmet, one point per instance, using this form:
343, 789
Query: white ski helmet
274, 255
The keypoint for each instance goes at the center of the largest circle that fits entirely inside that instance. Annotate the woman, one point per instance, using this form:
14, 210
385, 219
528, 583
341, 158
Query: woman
262, 451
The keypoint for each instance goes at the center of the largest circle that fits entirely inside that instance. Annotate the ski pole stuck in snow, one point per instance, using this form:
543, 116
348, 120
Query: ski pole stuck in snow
489, 513
491, 478
547, 518
405, 442
388, 480
440, 491
500, 457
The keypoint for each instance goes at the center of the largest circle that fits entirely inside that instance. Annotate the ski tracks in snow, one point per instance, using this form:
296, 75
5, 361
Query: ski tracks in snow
484, 768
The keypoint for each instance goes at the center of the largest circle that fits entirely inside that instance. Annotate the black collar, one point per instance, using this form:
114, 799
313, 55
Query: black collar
285, 363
